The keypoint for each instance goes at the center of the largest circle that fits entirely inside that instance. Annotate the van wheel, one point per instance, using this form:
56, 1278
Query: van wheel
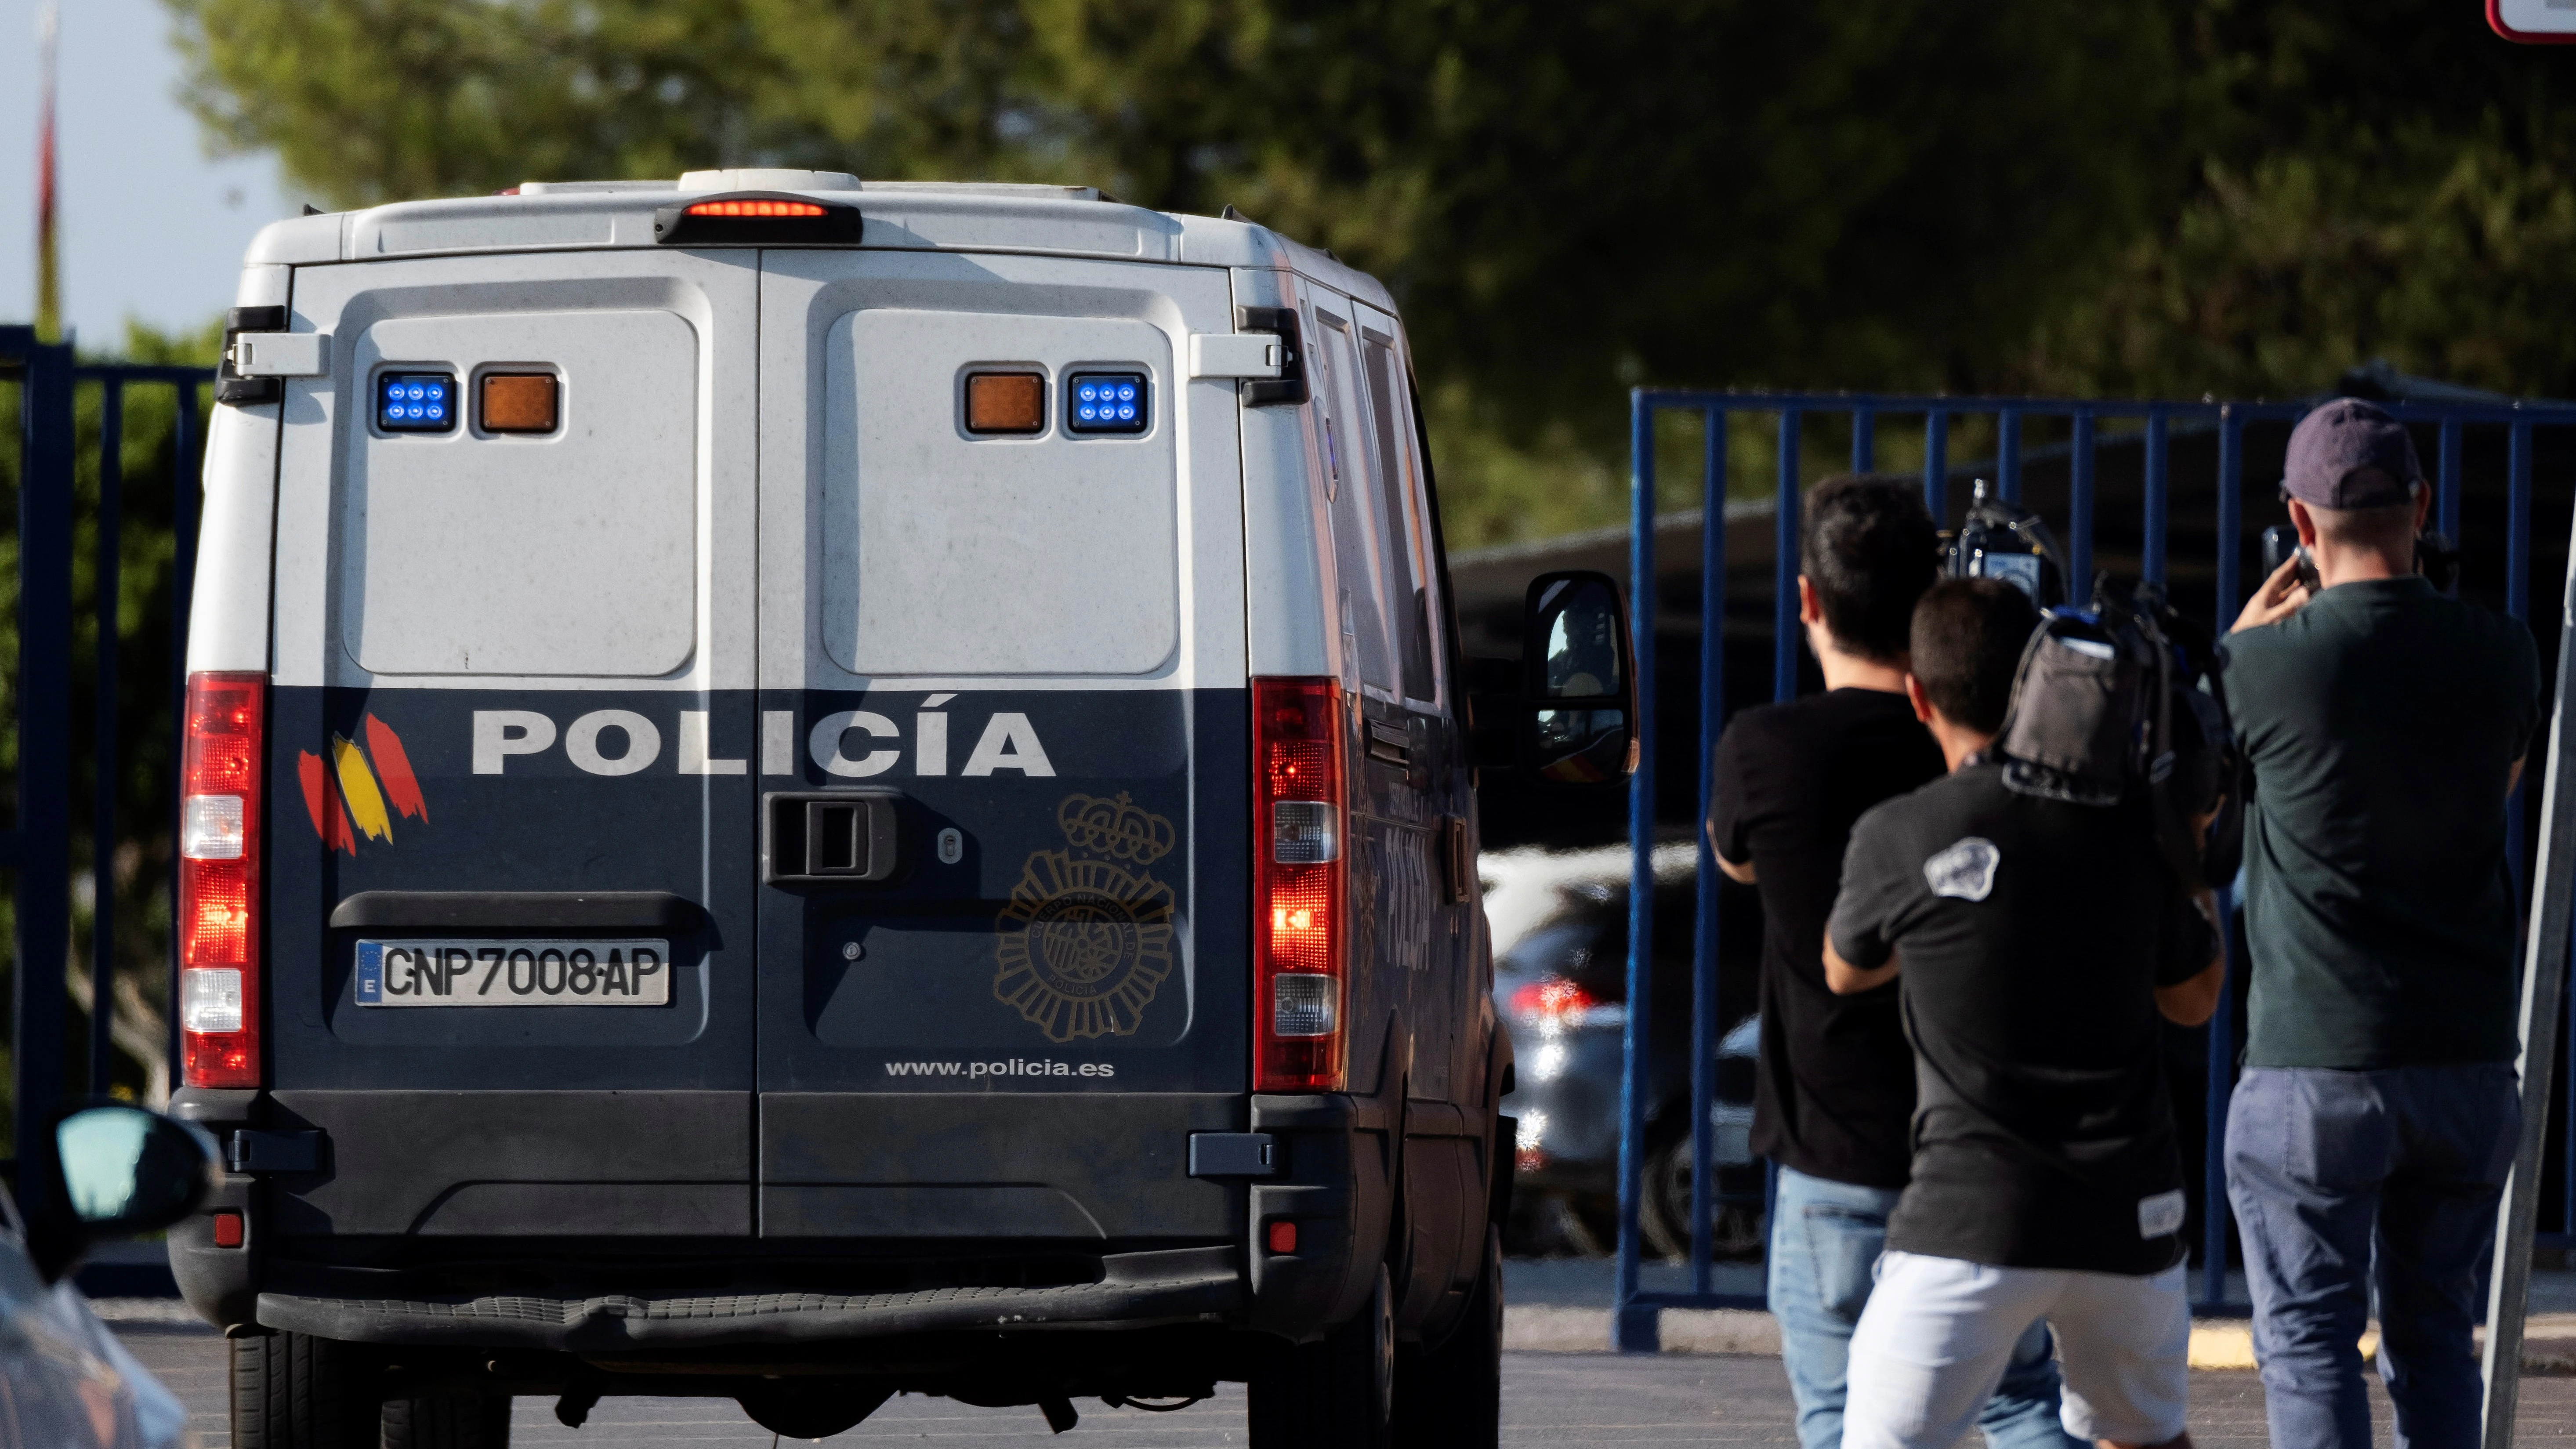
1337, 1394
295, 1391
1452, 1395
448, 1421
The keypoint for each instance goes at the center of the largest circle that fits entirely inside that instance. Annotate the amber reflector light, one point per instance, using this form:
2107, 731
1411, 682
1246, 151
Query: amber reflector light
516, 402
1005, 402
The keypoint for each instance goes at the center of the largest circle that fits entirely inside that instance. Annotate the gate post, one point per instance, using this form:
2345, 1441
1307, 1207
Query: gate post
1635, 1326
43, 835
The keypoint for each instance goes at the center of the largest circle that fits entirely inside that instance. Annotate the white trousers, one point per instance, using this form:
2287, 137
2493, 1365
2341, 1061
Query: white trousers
1938, 1332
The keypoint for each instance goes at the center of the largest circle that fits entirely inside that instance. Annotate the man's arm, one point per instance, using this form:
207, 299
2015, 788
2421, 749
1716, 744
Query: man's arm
1842, 978
1740, 874
2193, 1001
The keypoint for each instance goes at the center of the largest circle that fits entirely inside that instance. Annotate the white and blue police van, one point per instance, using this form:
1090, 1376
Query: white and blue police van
797, 790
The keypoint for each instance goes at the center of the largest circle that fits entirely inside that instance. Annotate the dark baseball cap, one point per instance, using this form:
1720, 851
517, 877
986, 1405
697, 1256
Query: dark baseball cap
2351, 454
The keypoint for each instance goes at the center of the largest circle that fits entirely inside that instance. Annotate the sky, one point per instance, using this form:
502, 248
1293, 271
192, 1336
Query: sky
151, 228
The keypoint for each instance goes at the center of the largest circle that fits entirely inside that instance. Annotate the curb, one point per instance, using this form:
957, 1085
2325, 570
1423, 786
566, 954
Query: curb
2549, 1342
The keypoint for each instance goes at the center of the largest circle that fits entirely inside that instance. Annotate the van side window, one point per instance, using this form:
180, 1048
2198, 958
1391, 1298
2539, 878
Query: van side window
1355, 501
1407, 559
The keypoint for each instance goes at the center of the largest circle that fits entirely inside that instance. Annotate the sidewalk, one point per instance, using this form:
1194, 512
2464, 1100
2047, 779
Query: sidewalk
1562, 1305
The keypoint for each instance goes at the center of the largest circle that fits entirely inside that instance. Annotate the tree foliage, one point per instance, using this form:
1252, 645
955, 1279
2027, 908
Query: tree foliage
2119, 195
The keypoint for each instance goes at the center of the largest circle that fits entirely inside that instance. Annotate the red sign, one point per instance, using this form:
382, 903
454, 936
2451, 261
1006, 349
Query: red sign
2534, 22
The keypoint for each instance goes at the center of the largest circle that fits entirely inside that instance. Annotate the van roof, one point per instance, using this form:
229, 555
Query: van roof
901, 215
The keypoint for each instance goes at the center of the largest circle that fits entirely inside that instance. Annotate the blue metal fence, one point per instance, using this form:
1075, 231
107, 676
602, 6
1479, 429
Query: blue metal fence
2150, 427
38, 846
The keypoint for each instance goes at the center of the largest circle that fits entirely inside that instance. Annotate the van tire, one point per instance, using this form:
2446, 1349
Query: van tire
295, 1391
1336, 1394
447, 1421
1452, 1395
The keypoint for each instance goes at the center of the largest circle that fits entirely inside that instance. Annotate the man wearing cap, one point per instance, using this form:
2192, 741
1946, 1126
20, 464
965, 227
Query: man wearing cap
2369, 1137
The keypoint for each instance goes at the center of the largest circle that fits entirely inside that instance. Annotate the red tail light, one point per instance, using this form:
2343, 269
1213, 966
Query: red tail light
219, 850
1553, 1001
1300, 989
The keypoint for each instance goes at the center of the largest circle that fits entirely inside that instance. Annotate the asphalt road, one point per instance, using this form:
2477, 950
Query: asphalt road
1548, 1398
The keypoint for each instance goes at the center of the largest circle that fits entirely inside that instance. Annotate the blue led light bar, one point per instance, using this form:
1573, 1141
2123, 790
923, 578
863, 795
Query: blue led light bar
416, 402
1105, 402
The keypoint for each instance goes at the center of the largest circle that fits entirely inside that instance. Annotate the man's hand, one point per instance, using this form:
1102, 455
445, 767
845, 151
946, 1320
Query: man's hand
2281, 596
1842, 978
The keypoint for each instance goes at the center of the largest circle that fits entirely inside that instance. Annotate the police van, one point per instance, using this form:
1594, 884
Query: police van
797, 790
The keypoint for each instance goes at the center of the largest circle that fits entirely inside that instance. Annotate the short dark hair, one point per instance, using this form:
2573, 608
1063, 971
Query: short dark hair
1968, 637
1870, 551
2390, 526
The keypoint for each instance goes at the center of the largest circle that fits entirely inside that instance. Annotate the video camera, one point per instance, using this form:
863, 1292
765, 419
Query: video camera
2001, 540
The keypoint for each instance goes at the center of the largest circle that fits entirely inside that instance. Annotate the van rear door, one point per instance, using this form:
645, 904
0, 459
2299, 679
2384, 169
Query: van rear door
1004, 754
509, 882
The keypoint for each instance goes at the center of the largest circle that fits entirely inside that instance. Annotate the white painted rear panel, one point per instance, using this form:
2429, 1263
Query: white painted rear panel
617, 553
568, 553
1041, 563
952, 554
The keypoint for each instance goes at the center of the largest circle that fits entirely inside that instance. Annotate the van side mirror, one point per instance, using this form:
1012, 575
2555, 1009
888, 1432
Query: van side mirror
117, 1171
1568, 710
1578, 672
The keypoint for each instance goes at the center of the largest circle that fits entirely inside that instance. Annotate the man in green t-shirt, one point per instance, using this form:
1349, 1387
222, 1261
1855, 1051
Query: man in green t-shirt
2386, 724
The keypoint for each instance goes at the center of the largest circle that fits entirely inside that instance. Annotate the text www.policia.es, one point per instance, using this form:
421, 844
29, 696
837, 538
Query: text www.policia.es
1015, 1067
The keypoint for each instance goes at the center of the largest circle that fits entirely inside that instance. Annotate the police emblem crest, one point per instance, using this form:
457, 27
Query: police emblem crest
1086, 940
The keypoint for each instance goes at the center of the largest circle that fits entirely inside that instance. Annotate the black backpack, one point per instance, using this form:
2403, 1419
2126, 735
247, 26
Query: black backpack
2128, 698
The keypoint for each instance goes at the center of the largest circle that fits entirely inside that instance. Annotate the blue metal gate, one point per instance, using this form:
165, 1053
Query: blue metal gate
38, 845
2153, 432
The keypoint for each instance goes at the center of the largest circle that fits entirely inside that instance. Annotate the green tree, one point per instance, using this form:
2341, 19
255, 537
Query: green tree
2112, 197
1566, 199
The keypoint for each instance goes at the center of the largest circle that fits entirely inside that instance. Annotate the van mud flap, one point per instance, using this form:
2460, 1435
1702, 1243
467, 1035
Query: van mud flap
1135, 1290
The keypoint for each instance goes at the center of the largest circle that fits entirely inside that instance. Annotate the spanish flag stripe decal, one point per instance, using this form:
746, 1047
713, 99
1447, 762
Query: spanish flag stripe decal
308, 770
358, 784
322, 802
394, 765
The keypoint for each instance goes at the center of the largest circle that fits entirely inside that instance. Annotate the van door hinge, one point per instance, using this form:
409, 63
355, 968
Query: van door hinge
282, 354
231, 386
1237, 354
1287, 386
1234, 1154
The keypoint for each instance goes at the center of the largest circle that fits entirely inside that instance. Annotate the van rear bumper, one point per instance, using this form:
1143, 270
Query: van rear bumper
1135, 1290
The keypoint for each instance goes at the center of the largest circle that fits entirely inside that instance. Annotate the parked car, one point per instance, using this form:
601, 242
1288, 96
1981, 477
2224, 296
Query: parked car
1560, 926
114, 1171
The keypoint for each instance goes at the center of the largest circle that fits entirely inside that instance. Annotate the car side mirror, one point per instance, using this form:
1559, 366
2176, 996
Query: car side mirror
116, 1171
1573, 717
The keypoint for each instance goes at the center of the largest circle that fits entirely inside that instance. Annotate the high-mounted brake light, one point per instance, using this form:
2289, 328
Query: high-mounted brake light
758, 219
219, 853
755, 208
1299, 982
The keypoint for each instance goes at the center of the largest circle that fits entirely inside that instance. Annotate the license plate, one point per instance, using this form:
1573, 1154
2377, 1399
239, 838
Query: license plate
514, 973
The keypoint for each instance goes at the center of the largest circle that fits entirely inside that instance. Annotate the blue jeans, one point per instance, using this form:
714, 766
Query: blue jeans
2348, 1185
1825, 1241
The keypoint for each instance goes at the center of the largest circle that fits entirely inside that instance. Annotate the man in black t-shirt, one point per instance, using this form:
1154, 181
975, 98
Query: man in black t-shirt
1834, 1082
2037, 939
